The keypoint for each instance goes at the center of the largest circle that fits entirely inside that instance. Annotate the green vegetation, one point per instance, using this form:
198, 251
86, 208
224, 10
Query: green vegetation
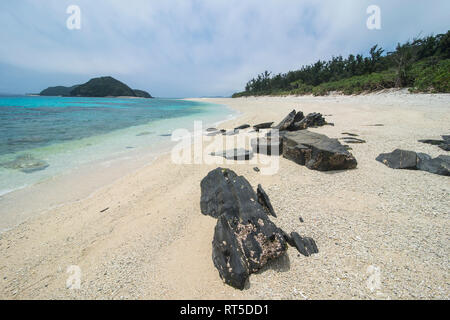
97, 87
57, 91
103, 87
423, 65
142, 94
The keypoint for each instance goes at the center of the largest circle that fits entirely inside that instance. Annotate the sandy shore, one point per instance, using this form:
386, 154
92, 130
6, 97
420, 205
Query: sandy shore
153, 242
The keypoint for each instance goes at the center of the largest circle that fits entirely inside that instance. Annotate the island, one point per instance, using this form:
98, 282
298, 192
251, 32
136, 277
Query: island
97, 87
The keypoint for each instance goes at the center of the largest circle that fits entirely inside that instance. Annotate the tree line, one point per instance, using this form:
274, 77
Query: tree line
406, 66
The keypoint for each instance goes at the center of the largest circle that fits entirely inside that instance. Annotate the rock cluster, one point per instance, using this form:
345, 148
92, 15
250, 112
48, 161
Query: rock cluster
245, 239
404, 159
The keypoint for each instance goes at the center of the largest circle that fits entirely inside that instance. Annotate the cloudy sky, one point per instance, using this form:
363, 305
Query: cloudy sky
187, 48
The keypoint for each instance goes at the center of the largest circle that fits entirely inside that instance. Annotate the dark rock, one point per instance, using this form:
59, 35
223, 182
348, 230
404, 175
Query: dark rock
432, 142
287, 238
301, 219
267, 145
299, 117
264, 200
244, 126
353, 140
350, 134
244, 238
211, 130
25, 163
439, 165
311, 120
223, 130
399, 159
235, 154
256, 169
316, 151
443, 144
165, 135
306, 246
287, 121
265, 125
403, 159
213, 133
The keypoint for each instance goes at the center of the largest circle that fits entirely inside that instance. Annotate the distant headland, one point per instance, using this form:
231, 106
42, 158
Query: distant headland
96, 87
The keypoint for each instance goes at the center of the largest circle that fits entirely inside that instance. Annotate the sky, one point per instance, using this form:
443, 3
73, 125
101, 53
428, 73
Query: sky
194, 48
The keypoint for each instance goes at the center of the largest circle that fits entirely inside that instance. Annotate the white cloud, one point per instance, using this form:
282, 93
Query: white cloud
188, 47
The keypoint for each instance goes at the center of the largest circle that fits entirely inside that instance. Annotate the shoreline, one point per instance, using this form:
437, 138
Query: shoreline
153, 242
85, 179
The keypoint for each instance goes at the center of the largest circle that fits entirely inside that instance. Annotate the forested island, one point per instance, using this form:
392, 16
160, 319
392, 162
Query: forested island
422, 65
96, 87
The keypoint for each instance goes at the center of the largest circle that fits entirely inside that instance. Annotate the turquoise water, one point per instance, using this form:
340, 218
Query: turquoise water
41, 137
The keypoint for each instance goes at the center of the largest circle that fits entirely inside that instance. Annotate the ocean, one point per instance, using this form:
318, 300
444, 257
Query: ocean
42, 137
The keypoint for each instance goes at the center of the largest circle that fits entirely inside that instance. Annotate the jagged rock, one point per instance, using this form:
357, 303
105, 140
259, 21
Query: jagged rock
443, 144
287, 121
244, 126
316, 151
267, 145
306, 246
265, 125
264, 200
311, 120
25, 163
244, 238
399, 159
403, 159
234, 154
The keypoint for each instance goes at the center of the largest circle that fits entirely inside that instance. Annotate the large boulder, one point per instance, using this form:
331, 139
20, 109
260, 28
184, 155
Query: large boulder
244, 238
404, 159
316, 151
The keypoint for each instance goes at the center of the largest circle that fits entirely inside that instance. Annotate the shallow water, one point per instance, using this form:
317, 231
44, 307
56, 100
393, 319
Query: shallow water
41, 137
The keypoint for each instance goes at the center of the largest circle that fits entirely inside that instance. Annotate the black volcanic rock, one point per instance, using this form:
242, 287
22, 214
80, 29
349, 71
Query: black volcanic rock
311, 120
306, 246
244, 126
443, 144
316, 151
264, 200
403, 159
287, 121
244, 237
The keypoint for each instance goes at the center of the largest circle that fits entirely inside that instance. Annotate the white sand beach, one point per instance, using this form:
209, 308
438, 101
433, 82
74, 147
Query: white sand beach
153, 242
